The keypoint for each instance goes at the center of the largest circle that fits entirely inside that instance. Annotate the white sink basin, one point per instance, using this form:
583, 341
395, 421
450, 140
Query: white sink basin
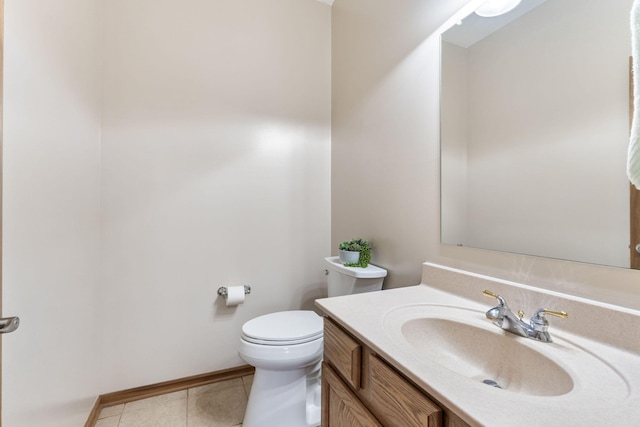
465, 343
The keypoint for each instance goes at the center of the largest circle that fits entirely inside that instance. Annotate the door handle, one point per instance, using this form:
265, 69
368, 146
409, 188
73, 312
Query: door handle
9, 324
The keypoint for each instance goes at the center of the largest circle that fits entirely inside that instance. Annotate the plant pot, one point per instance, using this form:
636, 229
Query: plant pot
349, 257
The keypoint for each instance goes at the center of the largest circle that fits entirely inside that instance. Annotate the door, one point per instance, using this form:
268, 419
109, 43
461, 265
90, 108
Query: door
8, 324
1, 173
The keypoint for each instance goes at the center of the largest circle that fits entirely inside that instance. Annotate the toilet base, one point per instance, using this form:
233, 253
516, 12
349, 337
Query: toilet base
284, 398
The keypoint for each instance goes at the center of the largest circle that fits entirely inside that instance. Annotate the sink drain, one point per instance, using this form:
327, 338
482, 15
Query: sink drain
492, 383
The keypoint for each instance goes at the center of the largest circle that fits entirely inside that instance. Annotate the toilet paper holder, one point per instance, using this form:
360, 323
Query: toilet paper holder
222, 290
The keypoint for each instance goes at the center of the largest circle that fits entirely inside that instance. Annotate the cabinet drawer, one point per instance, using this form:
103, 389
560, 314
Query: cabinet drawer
343, 353
395, 401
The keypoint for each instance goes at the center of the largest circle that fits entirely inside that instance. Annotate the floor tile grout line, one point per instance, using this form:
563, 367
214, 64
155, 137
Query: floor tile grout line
186, 416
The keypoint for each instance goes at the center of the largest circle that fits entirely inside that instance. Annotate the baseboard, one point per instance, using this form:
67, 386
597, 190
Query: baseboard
125, 396
94, 414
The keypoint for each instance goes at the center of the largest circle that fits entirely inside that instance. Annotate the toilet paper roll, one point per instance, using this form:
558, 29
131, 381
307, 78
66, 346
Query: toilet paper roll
235, 295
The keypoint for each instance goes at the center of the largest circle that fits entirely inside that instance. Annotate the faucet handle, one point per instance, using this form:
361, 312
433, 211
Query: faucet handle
543, 311
501, 300
490, 294
540, 323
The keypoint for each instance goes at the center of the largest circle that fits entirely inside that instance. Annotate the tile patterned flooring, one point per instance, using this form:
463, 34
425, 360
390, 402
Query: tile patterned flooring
220, 404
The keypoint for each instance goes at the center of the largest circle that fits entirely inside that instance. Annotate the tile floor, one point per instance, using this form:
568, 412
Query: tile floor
220, 404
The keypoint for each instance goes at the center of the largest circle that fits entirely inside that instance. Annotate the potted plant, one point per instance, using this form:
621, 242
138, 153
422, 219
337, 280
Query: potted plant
355, 253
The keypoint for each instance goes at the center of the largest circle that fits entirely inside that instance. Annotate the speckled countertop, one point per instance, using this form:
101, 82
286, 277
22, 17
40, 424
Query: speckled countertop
597, 351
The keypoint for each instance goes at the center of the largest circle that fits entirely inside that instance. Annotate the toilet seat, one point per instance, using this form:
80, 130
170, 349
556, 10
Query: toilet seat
283, 328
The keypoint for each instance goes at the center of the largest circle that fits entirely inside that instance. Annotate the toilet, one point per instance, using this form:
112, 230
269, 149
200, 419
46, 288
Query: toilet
286, 350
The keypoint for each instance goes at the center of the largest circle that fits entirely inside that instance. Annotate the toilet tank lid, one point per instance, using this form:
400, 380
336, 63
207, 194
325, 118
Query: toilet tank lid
370, 272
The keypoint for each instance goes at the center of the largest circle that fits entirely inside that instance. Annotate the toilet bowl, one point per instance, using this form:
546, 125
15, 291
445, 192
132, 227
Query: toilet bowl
286, 350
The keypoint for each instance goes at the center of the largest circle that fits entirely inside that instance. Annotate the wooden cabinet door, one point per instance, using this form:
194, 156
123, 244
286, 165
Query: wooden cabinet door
343, 353
395, 401
340, 407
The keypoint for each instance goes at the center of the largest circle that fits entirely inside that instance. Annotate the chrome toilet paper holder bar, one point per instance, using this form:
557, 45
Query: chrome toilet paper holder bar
222, 291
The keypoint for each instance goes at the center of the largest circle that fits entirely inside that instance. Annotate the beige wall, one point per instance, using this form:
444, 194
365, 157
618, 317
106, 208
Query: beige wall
51, 212
385, 129
385, 154
215, 172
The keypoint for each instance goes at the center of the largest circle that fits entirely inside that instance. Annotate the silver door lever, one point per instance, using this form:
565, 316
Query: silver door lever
9, 324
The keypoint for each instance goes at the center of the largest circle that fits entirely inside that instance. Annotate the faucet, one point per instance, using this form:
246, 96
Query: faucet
537, 328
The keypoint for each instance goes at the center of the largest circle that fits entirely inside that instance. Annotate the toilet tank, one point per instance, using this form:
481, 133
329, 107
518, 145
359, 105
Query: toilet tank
343, 280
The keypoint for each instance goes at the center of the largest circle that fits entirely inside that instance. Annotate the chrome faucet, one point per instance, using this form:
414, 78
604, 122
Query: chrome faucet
537, 328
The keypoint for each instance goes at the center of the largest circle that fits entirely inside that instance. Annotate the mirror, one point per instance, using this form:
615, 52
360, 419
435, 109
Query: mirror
535, 129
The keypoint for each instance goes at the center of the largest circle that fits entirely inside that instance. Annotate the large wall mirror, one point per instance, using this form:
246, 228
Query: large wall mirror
535, 130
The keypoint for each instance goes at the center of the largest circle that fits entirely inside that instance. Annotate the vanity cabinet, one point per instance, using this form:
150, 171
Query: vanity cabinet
361, 389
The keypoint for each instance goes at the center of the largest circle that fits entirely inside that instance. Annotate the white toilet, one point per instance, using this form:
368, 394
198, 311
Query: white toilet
286, 350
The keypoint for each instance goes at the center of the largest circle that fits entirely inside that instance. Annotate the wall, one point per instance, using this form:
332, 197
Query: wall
51, 212
215, 171
385, 154
385, 129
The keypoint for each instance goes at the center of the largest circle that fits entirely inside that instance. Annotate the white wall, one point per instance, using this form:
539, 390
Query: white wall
51, 212
215, 171
385, 161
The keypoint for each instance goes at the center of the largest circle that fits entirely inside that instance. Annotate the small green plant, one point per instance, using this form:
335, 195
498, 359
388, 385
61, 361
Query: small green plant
358, 245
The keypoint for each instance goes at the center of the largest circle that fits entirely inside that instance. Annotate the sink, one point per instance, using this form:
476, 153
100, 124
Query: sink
484, 355
466, 344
